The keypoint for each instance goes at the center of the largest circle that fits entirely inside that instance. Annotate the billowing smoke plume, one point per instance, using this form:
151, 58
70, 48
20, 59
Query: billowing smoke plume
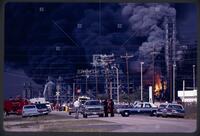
149, 20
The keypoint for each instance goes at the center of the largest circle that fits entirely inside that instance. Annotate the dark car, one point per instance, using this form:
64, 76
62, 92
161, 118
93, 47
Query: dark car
42, 109
161, 107
171, 110
92, 107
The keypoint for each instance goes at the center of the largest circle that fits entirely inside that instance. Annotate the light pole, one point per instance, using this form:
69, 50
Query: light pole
183, 90
141, 63
174, 68
117, 71
86, 84
74, 91
193, 77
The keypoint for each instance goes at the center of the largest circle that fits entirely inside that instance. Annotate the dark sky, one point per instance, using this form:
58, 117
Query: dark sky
57, 39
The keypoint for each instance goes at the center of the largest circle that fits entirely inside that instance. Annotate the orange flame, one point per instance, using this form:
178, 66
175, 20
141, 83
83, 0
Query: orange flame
158, 85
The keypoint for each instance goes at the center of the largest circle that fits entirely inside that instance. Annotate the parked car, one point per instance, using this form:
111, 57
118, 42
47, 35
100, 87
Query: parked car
30, 110
139, 108
119, 107
160, 109
42, 109
71, 108
171, 109
92, 107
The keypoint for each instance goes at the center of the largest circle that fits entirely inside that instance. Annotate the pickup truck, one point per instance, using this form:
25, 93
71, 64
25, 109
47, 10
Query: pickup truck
92, 107
139, 108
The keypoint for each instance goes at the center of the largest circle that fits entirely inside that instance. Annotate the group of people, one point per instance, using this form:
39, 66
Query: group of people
108, 107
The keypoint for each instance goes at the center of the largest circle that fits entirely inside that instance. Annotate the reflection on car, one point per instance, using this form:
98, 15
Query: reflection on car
30, 110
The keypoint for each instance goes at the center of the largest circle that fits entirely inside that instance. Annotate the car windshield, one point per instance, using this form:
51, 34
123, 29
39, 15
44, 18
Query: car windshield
29, 107
41, 106
178, 107
93, 103
162, 106
83, 101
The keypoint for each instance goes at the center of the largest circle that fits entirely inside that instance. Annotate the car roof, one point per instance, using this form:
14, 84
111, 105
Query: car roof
92, 100
175, 104
164, 103
29, 105
40, 104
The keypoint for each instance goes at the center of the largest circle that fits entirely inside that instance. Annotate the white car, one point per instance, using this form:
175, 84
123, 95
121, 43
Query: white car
30, 110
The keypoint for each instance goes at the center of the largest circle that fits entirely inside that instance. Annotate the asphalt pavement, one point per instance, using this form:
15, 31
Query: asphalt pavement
63, 122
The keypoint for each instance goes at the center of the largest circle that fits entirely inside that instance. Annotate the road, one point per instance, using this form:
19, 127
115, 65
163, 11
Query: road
62, 122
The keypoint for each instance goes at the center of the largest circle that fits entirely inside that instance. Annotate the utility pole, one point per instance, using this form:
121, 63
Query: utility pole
96, 78
110, 90
183, 90
73, 92
86, 79
194, 77
126, 57
85, 73
106, 61
174, 56
141, 63
153, 60
174, 66
117, 71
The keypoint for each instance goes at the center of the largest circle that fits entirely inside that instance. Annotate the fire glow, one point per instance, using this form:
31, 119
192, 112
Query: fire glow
158, 85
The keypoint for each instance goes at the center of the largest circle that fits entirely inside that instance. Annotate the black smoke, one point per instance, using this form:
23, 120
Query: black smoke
35, 44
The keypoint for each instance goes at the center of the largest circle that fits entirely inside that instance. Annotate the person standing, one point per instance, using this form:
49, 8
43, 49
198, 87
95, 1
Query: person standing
76, 106
105, 107
112, 108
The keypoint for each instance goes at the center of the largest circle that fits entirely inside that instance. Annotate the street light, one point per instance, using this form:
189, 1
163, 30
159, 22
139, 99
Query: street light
117, 71
141, 63
174, 67
193, 77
